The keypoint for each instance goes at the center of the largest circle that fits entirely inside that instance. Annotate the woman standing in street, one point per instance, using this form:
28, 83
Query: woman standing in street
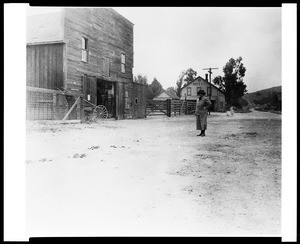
202, 106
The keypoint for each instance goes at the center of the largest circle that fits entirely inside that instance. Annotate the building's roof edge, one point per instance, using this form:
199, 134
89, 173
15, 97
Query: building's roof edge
44, 42
168, 93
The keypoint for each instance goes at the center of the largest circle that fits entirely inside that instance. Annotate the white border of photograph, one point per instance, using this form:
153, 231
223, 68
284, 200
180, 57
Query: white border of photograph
14, 122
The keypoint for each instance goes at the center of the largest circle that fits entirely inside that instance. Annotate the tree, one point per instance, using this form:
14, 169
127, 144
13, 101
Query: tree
185, 77
232, 82
190, 75
275, 100
179, 83
141, 79
243, 102
171, 89
154, 89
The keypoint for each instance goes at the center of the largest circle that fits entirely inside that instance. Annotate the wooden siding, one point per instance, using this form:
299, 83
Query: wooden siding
120, 100
45, 66
109, 35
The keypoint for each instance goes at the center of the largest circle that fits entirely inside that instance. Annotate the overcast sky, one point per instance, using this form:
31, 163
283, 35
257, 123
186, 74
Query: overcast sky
170, 40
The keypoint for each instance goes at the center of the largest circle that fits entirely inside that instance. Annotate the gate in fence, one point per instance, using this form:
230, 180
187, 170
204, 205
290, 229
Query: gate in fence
170, 107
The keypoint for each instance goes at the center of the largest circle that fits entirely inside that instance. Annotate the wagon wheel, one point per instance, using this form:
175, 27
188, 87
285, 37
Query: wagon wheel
100, 112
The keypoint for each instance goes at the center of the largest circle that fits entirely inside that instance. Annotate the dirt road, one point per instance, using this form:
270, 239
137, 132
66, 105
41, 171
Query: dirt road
155, 177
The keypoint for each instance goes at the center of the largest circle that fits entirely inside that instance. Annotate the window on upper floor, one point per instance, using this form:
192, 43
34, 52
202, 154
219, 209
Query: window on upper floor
84, 49
189, 91
123, 63
198, 89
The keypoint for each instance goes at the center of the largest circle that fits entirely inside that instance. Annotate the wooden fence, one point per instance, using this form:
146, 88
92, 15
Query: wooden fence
170, 107
47, 104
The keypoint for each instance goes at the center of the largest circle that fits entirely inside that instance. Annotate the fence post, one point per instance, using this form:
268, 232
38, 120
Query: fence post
169, 107
55, 114
79, 108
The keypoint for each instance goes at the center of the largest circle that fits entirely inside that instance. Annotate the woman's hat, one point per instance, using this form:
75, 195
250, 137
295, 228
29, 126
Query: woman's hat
201, 92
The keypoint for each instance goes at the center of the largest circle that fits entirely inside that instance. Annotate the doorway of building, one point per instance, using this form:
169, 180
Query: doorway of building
106, 96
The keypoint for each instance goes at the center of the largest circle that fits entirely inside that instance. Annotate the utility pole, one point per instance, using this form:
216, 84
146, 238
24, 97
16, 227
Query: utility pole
210, 72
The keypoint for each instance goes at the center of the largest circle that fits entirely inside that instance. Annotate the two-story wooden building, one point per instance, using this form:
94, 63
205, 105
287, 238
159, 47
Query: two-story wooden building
217, 97
87, 52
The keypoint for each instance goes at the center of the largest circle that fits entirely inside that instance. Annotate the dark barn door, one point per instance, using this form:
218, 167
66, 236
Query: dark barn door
138, 100
106, 96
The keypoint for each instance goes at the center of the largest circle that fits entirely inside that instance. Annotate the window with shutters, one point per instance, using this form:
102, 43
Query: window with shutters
123, 63
84, 49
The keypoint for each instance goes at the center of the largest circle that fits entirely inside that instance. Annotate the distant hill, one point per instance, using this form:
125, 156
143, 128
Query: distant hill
266, 99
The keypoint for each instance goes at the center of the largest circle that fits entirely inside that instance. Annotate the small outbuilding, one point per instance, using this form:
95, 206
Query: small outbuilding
166, 94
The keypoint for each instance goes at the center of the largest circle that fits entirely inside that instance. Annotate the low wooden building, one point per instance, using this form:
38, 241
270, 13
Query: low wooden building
166, 94
86, 53
217, 97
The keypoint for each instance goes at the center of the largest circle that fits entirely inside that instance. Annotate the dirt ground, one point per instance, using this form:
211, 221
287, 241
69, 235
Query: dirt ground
155, 177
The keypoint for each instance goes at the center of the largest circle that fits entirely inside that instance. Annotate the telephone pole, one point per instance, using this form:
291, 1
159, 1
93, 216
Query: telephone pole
210, 72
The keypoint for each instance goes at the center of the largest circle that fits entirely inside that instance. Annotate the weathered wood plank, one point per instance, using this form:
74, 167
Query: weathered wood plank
37, 68
44, 67
60, 66
50, 65
107, 38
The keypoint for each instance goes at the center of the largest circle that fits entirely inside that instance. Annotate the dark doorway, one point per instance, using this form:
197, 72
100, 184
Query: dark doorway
106, 96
